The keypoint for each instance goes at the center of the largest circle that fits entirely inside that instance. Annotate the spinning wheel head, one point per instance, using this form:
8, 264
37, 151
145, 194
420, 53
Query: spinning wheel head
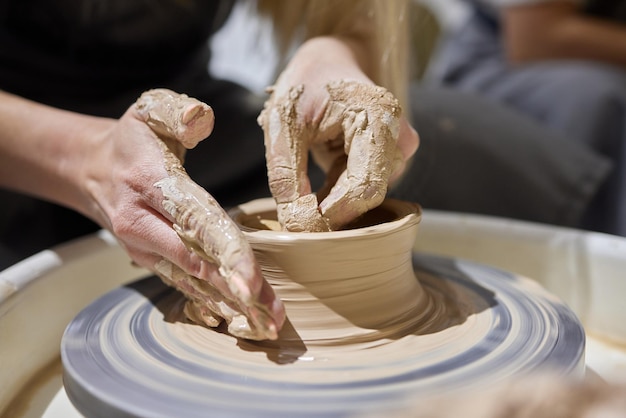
132, 353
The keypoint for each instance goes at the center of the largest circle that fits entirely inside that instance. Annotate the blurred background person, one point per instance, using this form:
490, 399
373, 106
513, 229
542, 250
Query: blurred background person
562, 63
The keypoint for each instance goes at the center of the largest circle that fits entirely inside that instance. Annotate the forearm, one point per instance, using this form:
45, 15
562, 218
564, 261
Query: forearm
350, 33
375, 31
560, 31
325, 58
42, 149
378, 31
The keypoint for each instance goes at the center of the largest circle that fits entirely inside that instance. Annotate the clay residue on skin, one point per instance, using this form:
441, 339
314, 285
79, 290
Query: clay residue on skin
370, 121
201, 223
286, 155
302, 215
364, 119
207, 230
356, 313
176, 115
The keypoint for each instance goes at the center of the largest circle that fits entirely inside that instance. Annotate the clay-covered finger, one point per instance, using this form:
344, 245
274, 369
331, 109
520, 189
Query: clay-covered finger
206, 305
207, 229
176, 116
286, 153
302, 215
235, 290
370, 121
152, 237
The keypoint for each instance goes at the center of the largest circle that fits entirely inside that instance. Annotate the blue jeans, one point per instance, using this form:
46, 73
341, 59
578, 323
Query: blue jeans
583, 102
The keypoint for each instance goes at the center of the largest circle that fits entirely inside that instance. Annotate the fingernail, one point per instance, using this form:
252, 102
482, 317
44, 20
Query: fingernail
189, 114
272, 332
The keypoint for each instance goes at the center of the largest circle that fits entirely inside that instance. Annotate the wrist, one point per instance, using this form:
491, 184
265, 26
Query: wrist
326, 58
43, 150
88, 159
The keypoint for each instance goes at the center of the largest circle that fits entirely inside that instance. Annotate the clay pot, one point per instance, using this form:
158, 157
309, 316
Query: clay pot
346, 286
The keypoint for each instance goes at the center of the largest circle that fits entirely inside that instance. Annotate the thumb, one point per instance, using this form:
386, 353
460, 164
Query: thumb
176, 116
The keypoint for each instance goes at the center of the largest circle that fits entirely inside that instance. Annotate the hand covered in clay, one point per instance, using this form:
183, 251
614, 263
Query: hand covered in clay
354, 131
171, 225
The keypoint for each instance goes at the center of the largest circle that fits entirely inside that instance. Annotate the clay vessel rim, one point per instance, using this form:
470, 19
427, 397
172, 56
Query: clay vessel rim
408, 215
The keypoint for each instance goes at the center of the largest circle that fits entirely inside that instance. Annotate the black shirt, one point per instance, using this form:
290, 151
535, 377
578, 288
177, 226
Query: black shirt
78, 53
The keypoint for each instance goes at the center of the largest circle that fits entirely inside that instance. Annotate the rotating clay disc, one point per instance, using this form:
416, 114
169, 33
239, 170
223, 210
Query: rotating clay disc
132, 353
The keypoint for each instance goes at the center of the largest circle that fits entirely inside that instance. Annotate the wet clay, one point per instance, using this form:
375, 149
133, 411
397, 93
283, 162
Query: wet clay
176, 116
368, 322
366, 120
354, 140
201, 223
343, 287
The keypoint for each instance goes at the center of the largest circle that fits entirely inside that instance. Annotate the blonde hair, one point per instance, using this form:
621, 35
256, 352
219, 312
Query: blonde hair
383, 22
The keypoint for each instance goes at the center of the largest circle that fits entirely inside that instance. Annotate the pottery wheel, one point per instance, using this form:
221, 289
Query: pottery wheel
132, 353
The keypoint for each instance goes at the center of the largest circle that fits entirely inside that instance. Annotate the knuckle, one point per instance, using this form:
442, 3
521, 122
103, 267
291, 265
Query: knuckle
126, 223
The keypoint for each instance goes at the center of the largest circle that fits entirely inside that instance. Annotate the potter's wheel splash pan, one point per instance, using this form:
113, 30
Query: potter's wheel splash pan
131, 353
